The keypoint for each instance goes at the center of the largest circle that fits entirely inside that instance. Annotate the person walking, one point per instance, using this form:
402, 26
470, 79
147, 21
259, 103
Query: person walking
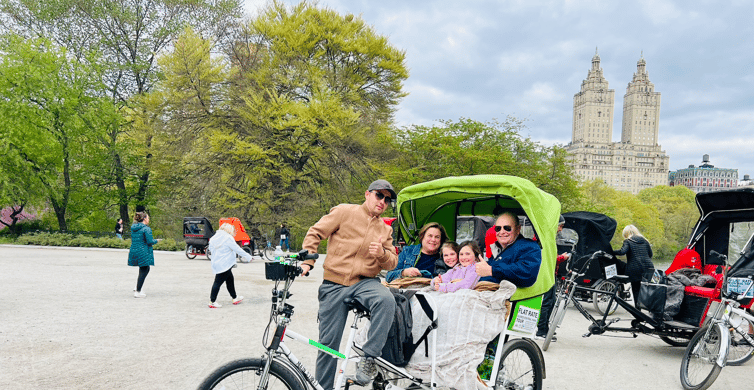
285, 236
119, 228
359, 246
224, 249
638, 253
141, 254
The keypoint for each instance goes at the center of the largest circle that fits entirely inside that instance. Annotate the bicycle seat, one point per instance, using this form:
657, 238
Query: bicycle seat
620, 278
356, 306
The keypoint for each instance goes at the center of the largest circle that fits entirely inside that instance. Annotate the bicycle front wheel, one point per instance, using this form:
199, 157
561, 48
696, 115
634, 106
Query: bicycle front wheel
520, 366
557, 317
601, 299
244, 374
740, 350
698, 366
269, 253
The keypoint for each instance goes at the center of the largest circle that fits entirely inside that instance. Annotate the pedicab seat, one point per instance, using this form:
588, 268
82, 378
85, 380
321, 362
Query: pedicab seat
699, 291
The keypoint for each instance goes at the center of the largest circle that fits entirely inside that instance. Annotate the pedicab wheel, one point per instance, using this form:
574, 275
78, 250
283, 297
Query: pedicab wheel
698, 366
675, 341
740, 351
190, 252
520, 366
269, 253
245, 374
557, 319
602, 299
206, 252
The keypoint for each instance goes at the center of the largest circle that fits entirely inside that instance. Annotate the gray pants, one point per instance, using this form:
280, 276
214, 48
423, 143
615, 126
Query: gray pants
333, 315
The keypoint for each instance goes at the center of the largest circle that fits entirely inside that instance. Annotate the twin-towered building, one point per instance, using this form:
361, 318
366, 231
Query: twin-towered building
637, 161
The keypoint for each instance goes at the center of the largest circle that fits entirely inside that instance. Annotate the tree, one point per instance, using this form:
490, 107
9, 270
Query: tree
469, 147
130, 34
47, 114
309, 92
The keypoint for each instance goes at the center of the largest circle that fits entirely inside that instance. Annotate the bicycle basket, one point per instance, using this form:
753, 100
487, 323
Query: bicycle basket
274, 270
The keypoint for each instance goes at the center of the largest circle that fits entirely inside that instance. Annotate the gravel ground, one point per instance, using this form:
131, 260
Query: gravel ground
69, 321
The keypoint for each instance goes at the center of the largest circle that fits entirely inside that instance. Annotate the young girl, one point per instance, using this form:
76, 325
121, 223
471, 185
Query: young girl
463, 275
449, 259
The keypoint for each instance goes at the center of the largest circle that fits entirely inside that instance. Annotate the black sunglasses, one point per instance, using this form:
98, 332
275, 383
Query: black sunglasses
506, 227
381, 196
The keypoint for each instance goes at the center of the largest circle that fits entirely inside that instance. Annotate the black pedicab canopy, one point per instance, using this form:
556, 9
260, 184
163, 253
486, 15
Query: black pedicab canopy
197, 230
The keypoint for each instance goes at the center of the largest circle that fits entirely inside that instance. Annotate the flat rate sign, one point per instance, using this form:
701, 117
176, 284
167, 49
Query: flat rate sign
740, 286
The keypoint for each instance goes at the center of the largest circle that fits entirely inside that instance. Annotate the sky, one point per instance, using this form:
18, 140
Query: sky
486, 60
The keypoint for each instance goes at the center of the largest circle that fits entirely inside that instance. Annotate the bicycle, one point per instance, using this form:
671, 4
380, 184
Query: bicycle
727, 339
267, 251
674, 333
278, 367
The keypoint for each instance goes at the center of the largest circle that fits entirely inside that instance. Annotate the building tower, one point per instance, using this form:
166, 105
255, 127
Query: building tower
593, 107
641, 109
637, 161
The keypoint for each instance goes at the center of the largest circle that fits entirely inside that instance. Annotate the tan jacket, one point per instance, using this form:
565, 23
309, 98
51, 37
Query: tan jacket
350, 229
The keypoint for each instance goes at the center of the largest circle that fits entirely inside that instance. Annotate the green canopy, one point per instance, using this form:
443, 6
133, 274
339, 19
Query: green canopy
442, 200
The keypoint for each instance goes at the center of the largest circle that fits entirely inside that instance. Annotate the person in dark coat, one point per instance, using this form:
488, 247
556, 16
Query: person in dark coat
140, 254
638, 253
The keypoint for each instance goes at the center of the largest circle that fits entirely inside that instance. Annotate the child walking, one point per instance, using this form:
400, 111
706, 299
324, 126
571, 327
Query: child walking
463, 275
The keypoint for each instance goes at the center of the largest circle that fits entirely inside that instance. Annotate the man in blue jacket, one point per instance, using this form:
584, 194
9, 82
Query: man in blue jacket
514, 258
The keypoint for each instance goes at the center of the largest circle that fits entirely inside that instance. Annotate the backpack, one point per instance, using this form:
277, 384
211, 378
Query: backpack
400, 345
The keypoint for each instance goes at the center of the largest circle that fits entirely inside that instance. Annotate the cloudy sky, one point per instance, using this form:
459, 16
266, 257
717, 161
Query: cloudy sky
527, 58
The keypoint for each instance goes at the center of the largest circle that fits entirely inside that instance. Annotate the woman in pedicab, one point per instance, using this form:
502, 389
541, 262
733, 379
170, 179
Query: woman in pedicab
443, 201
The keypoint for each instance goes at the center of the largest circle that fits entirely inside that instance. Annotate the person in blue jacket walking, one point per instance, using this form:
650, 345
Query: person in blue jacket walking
140, 254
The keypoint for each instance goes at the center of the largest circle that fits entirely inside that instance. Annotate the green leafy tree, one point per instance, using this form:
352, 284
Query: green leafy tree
469, 147
130, 35
307, 94
46, 108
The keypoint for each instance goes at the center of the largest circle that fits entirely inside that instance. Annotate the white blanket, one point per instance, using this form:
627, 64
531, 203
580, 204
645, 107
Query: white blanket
467, 321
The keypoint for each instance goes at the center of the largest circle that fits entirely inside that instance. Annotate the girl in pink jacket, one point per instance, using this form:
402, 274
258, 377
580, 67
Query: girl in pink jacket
463, 275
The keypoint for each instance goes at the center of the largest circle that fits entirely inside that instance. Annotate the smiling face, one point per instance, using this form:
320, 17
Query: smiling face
466, 256
449, 256
503, 236
431, 241
377, 206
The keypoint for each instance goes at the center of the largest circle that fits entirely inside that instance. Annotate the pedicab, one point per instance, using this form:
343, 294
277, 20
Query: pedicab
196, 232
447, 200
242, 238
594, 232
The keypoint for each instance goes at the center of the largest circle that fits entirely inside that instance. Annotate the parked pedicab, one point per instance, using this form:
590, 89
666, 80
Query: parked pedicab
196, 232
594, 232
725, 225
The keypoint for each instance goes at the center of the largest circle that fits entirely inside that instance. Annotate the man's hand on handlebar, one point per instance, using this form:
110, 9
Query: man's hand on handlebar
305, 268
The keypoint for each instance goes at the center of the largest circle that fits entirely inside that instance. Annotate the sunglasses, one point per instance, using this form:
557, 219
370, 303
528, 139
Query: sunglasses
506, 227
381, 196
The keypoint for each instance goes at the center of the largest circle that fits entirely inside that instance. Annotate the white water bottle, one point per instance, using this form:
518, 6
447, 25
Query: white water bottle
278, 254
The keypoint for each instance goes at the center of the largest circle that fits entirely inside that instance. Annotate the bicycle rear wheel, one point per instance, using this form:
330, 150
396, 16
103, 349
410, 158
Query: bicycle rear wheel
520, 366
244, 374
269, 253
741, 351
698, 366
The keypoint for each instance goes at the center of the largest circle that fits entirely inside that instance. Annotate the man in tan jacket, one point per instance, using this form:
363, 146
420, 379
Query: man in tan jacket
359, 246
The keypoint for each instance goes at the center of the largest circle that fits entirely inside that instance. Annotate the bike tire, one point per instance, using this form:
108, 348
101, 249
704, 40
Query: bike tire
206, 252
190, 252
698, 366
601, 300
520, 366
269, 253
740, 350
557, 316
243, 374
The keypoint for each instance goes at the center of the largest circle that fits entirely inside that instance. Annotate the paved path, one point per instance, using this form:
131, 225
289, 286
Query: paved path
68, 320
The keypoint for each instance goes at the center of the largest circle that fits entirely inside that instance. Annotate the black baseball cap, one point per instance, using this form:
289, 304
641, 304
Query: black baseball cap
382, 185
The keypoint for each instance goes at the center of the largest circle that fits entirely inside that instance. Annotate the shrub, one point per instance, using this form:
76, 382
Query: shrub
66, 239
